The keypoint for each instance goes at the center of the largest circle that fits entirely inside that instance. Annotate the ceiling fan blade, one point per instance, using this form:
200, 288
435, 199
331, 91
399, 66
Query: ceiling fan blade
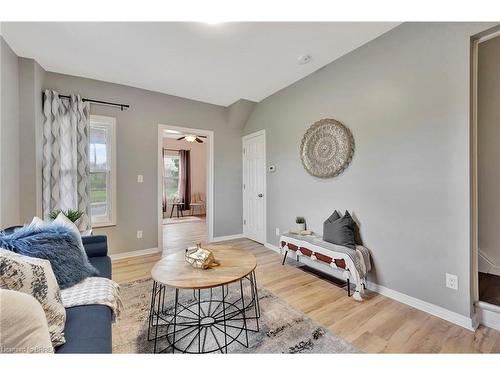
202, 136
181, 138
199, 140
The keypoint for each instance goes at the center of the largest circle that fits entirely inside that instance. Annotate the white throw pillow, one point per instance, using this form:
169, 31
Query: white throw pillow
37, 222
23, 325
34, 276
64, 221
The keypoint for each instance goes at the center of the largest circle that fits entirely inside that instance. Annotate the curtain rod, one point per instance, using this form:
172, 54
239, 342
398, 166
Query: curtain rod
122, 106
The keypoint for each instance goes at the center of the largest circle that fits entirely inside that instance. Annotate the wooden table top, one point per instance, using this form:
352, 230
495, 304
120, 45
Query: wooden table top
174, 271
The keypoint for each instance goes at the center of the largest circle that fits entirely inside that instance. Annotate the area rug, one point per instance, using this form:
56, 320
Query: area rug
282, 328
179, 220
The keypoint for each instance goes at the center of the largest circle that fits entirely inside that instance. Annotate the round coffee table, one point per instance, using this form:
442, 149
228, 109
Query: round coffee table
222, 302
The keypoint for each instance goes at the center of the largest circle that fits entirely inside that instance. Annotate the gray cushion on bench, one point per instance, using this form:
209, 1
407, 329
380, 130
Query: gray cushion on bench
340, 230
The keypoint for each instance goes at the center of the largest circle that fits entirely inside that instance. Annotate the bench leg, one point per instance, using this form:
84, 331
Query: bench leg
284, 258
348, 288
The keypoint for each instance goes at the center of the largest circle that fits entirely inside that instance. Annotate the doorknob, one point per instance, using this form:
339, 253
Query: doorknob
260, 195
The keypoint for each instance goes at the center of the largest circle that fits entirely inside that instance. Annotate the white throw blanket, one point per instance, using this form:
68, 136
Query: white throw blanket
94, 291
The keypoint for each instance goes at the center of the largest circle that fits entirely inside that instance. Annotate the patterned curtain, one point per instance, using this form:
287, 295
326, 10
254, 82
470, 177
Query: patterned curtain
65, 156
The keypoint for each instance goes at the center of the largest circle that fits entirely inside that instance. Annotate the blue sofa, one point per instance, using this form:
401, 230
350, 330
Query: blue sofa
88, 328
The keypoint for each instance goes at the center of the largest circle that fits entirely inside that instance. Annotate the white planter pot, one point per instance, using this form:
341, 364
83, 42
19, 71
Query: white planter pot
301, 227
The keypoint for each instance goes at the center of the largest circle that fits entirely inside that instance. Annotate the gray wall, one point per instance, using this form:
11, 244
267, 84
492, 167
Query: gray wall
9, 137
137, 142
405, 97
489, 148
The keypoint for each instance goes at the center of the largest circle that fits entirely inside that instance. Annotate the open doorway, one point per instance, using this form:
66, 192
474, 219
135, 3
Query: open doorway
185, 176
486, 177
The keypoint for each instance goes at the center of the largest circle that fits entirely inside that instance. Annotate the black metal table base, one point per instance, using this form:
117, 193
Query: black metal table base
209, 321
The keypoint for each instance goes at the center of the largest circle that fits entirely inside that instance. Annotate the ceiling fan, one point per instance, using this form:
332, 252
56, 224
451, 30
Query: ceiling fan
192, 138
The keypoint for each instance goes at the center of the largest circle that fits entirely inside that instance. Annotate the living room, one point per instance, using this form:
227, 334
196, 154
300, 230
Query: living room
249, 187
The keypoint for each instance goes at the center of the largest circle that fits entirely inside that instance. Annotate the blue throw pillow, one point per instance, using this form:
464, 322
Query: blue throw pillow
55, 243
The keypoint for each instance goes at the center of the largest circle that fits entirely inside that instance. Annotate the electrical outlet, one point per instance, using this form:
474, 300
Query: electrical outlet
140, 178
139, 234
277, 231
452, 281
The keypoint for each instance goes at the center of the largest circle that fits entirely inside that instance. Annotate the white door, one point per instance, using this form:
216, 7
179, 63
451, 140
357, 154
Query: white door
254, 186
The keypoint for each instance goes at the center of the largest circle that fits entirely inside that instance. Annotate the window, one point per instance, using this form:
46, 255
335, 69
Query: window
102, 171
172, 175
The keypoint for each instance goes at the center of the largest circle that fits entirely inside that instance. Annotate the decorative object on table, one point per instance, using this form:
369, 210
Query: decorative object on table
55, 243
281, 326
73, 215
201, 258
340, 230
301, 223
35, 277
326, 148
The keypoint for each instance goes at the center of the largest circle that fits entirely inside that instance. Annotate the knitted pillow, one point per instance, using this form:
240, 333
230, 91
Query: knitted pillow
55, 243
35, 277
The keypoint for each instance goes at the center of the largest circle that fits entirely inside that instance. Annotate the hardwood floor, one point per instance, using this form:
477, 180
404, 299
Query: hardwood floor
182, 235
377, 325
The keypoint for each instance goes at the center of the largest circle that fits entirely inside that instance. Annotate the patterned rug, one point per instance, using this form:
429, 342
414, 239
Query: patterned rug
282, 328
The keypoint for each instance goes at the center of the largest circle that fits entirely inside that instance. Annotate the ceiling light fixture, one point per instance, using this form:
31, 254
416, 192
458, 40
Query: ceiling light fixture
190, 138
304, 59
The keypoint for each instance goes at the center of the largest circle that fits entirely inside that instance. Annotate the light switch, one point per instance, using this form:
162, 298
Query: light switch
140, 178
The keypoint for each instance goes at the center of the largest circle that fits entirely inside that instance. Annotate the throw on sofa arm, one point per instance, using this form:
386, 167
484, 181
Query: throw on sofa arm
95, 246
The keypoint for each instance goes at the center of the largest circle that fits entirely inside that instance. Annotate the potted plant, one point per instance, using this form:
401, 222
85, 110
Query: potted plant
301, 223
73, 215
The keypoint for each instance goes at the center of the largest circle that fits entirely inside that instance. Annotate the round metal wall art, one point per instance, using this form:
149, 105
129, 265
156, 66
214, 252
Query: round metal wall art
326, 148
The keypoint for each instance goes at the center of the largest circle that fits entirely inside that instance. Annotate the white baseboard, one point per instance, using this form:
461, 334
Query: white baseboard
427, 307
488, 315
136, 253
486, 264
272, 247
227, 238
424, 306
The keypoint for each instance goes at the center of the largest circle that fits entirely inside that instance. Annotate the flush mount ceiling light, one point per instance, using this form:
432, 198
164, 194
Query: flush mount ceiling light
304, 59
190, 138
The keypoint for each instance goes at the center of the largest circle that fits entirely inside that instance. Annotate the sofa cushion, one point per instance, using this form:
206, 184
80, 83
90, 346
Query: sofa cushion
23, 325
57, 244
88, 330
103, 265
35, 277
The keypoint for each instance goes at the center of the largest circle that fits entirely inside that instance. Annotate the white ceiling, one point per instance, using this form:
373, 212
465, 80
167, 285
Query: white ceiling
217, 64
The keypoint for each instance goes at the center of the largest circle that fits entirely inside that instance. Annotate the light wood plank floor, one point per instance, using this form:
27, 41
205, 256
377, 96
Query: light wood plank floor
180, 236
377, 325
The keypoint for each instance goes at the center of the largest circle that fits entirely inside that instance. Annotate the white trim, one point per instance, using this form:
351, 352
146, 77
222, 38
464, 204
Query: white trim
489, 36
486, 264
488, 315
135, 253
243, 139
227, 238
209, 208
111, 122
272, 247
473, 146
424, 306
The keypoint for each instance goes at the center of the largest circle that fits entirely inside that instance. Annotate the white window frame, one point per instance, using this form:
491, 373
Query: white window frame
109, 122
